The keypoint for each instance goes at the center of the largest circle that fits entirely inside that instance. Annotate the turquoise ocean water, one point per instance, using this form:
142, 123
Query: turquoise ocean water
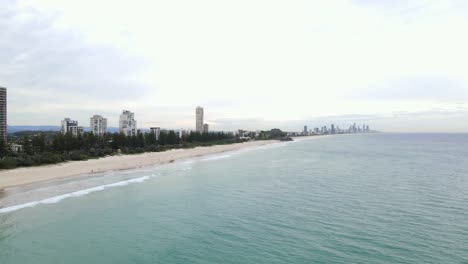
374, 198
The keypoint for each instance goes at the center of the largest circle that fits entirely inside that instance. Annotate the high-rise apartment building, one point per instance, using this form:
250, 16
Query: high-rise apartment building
199, 119
127, 123
3, 114
98, 125
71, 126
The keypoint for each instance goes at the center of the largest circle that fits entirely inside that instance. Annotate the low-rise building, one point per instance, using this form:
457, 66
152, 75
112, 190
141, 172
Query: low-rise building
16, 148
182, 133
156, 131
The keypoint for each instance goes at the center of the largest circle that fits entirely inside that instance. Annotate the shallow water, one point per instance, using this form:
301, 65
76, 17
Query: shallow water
374, 198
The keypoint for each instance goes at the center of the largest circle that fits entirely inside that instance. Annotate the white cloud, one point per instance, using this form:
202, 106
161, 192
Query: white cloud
264, 60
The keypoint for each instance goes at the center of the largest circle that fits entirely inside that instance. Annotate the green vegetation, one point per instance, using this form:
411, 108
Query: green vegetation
275, 133
42, 148
33, 133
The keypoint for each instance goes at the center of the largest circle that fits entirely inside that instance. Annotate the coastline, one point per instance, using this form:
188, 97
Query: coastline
22, 177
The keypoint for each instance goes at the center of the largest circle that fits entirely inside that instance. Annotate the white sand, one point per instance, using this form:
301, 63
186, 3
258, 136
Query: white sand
24, 176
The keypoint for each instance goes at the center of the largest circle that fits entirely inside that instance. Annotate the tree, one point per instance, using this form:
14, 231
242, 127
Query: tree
140, 140
39, 143
3, 148
150, 138
172, 138
27, 146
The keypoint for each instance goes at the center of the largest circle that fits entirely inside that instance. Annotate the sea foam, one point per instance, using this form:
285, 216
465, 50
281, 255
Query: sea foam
218, 157
59, 198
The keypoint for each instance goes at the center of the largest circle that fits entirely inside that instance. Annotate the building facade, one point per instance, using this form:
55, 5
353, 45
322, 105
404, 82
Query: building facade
71, 126
98, 125
206, 128
128, 124
199, 119
16, 148
156, 131
3, 114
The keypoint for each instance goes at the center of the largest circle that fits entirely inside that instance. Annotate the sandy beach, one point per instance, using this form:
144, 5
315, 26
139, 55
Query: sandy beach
26, 176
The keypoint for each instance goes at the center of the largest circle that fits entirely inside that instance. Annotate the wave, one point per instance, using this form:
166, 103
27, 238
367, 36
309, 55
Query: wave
229, 154
217, 157
59, 198
188, 166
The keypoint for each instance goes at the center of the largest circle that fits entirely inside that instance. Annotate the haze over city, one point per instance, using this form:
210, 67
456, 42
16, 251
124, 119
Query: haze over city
399, 66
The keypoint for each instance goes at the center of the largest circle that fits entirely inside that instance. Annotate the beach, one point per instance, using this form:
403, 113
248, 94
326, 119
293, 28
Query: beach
32, 175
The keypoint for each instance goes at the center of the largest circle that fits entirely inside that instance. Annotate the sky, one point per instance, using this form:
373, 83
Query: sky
399, 66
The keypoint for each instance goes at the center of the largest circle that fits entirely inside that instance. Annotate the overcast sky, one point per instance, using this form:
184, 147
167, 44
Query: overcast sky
256, 64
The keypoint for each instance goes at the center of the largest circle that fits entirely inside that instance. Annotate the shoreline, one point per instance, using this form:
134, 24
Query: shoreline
28, 187
23, 177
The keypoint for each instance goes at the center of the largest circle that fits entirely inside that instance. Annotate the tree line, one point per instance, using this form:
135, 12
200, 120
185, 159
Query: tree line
43, 148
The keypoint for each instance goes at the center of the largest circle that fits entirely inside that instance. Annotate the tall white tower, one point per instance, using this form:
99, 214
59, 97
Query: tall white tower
3, 114
199, 119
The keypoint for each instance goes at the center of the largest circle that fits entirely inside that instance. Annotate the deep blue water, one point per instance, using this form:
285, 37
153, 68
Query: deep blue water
373, 198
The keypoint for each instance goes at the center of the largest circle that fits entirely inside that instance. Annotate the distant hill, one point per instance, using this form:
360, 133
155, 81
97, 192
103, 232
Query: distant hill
14, 129
112, 129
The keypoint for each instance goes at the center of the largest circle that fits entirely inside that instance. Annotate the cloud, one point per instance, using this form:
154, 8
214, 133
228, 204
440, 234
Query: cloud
46, 69
430, 87
258, 64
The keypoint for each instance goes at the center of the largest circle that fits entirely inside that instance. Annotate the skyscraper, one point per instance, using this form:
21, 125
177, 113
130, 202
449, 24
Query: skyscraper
98, 125
127, 123
199, 119
3, 114
305, 130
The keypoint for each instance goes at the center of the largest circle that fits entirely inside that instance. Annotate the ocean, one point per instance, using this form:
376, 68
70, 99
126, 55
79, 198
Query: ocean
363, 198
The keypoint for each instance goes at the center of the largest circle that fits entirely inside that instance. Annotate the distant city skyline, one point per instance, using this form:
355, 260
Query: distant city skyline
399, 66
